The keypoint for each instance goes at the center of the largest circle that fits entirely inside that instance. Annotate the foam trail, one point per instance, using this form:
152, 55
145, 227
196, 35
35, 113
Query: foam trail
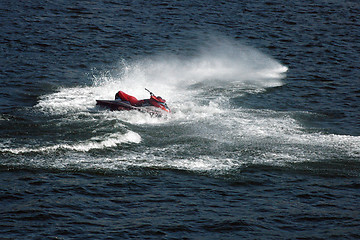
106, 141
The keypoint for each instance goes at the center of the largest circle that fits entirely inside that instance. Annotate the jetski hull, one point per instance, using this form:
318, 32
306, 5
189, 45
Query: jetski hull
117, 105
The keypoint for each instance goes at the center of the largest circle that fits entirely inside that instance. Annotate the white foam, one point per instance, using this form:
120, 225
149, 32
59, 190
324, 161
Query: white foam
105, 141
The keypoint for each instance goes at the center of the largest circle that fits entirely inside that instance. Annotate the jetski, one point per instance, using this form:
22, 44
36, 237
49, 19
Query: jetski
154, 106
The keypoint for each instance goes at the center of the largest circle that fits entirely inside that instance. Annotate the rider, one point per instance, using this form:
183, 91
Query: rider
154, 101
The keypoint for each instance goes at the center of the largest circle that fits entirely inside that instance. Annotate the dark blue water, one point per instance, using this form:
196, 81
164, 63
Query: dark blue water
263, 141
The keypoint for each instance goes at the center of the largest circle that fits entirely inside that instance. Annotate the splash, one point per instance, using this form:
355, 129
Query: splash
215, 64
219, 63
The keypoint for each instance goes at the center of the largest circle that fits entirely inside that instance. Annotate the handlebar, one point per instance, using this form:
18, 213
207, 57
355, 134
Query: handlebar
150, 92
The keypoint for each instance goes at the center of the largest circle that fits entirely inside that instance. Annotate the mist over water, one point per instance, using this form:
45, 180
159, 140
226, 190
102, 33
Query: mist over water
216, 64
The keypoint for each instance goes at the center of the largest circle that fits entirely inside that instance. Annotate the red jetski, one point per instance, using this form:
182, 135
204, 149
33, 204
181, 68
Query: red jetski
124, 102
